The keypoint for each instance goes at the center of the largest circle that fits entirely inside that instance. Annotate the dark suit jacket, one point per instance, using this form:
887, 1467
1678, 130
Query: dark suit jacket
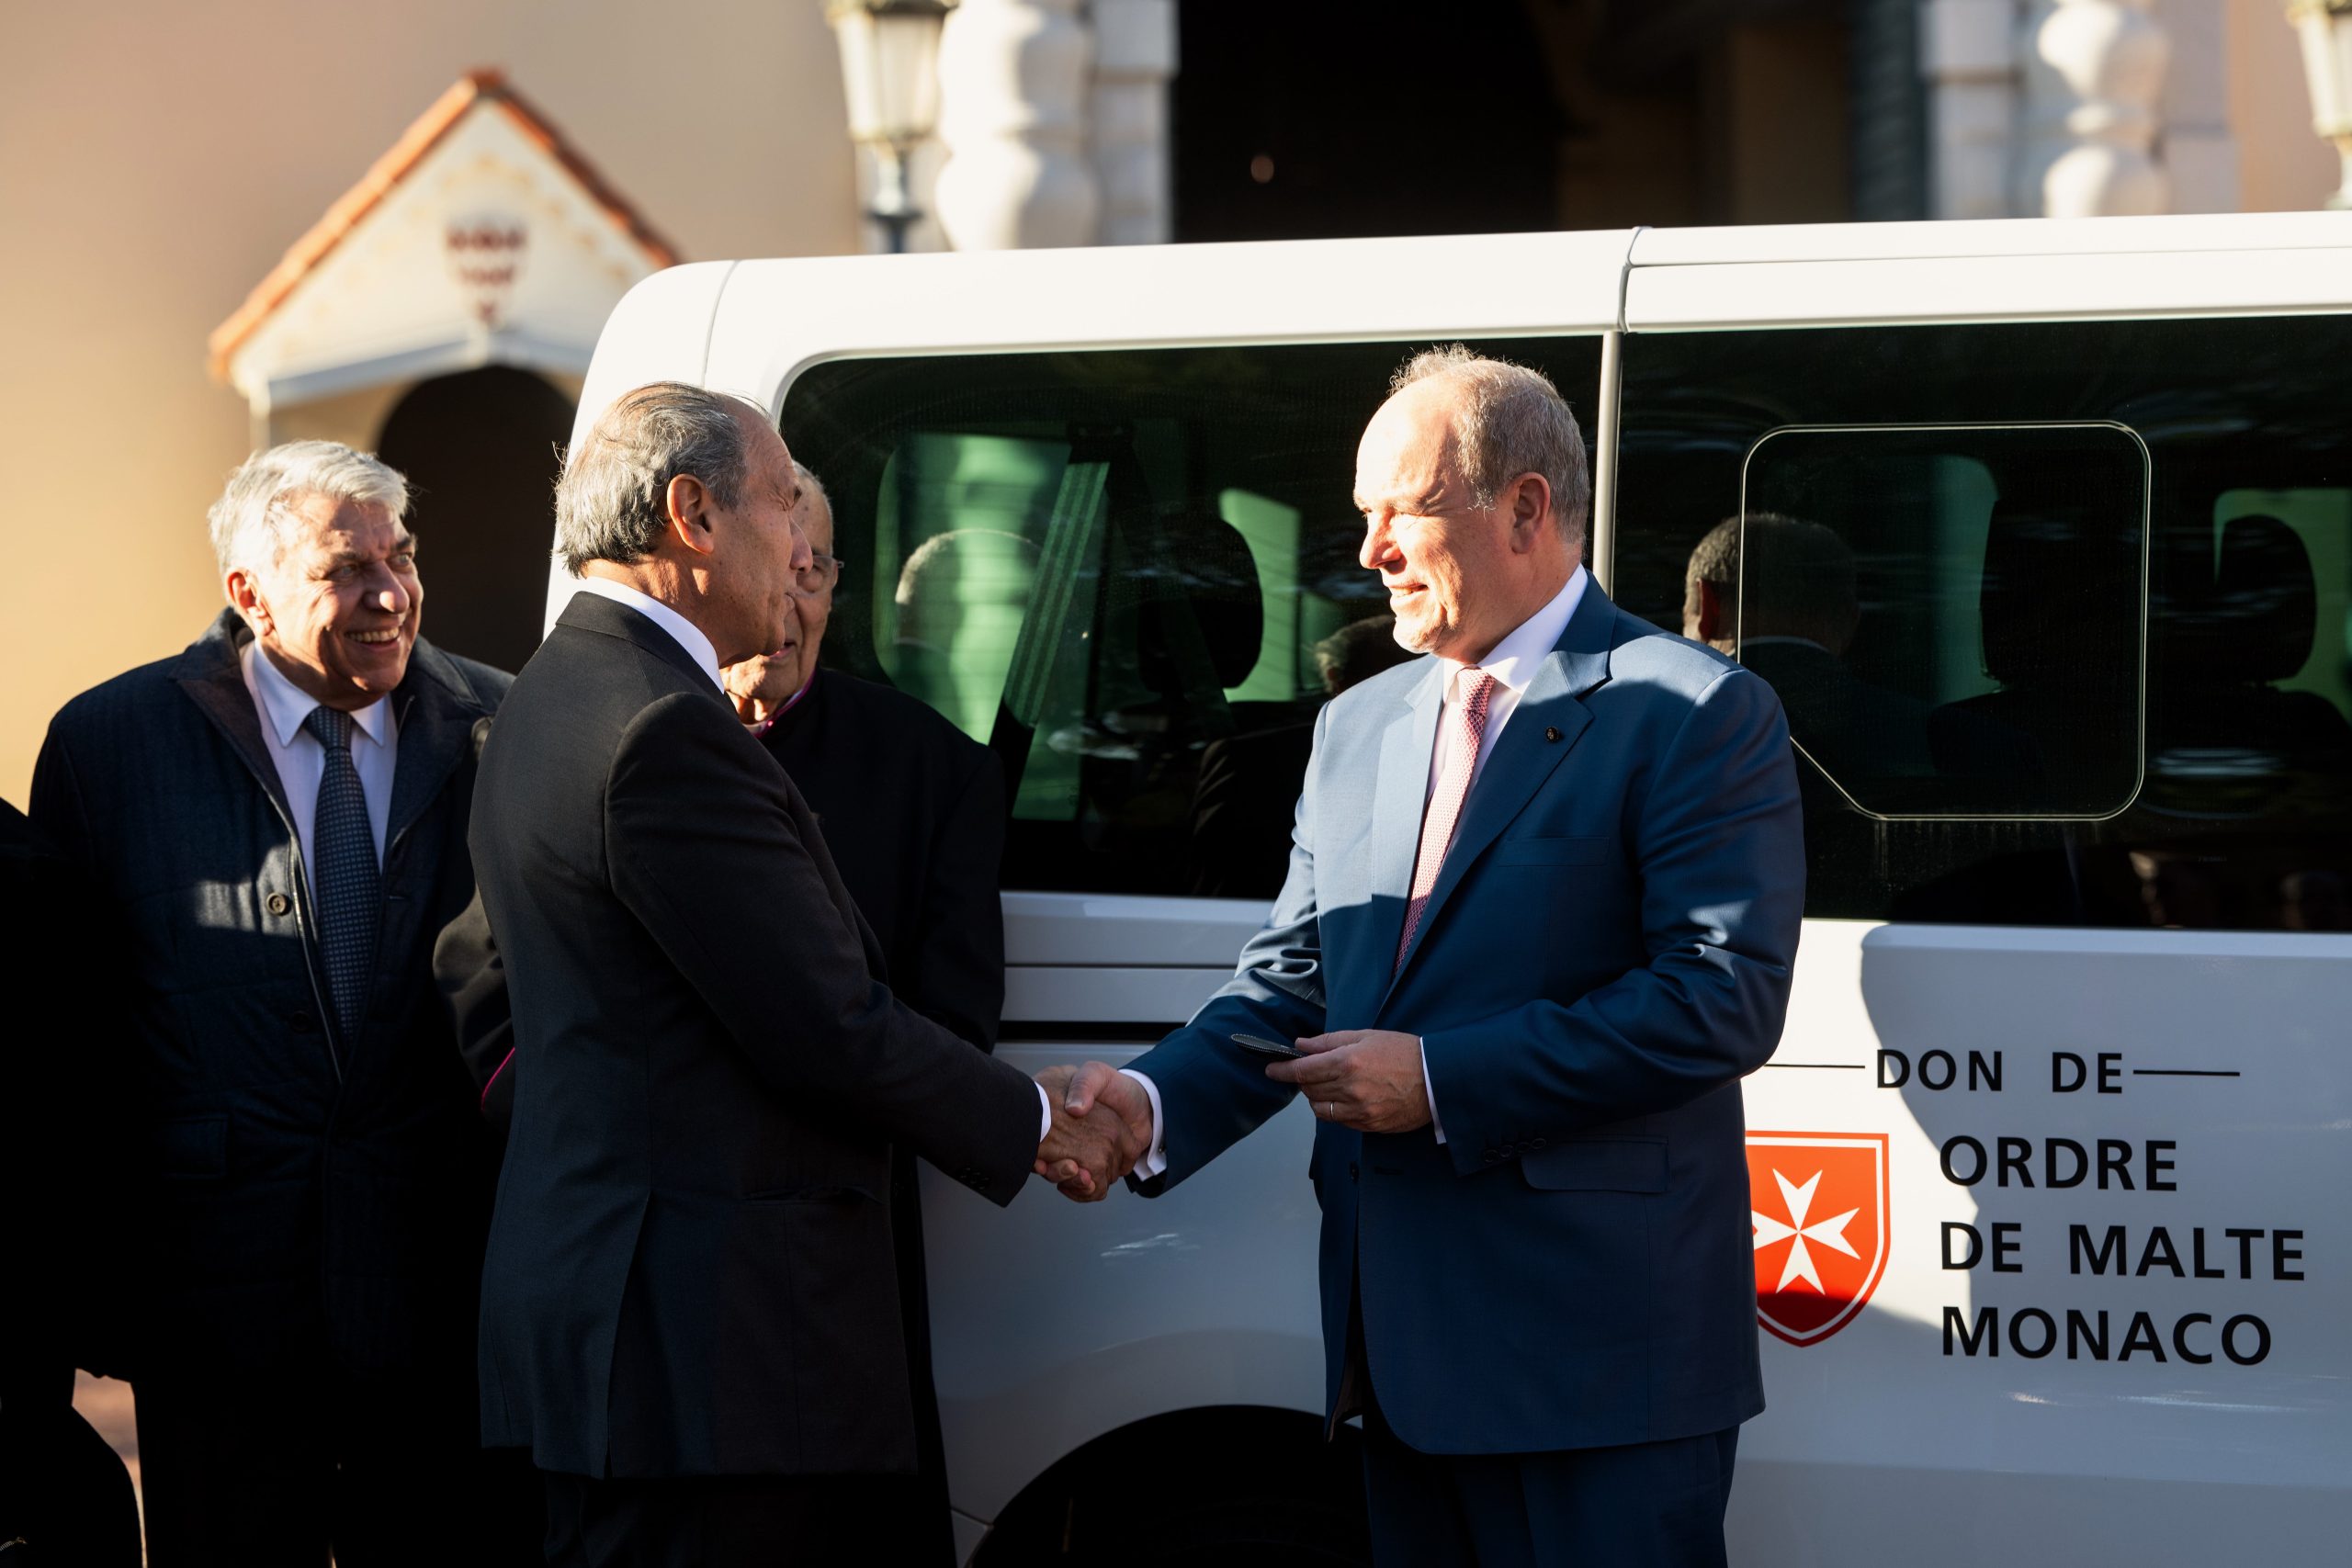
912, 812
302, 1194
1606, 952
690, 1268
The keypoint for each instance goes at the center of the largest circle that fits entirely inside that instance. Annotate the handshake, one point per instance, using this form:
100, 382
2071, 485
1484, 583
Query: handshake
1101, 1127
1371, 1079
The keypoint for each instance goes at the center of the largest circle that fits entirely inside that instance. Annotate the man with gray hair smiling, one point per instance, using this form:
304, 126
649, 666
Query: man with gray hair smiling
689, 1310
273, 826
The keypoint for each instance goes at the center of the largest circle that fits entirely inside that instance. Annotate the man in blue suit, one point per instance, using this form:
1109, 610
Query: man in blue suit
1540, 919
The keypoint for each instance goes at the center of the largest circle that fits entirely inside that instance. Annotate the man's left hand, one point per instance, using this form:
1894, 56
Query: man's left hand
1366, 1078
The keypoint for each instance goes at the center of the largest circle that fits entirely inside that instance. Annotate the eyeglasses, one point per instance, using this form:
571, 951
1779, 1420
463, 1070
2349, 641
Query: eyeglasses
820, 574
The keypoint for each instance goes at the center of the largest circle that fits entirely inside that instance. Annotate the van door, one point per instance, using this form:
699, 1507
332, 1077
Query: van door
2047, 1171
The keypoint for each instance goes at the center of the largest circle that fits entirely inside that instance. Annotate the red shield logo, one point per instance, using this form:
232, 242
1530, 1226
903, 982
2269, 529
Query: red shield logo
1818, 1201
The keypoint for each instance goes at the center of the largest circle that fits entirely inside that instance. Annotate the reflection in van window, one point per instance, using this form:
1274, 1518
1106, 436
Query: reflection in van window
2243, 815
1997, 671
1132, 574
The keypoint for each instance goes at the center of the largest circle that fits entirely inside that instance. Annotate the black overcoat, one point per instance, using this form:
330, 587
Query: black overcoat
690, 1270
300, 1195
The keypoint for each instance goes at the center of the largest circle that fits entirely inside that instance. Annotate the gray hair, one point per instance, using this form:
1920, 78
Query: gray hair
1796, 578
1513, 422
811, 483
612, 503
249, 522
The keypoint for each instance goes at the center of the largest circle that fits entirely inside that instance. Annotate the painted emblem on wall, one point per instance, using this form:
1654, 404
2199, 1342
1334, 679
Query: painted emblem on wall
485, 251
1818, 1203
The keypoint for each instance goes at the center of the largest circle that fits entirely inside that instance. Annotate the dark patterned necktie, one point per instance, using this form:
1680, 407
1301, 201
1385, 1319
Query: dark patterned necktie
349, 887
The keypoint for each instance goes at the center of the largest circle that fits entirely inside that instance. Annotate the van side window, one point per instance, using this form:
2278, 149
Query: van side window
1131, 573
1999, 581
1952, 617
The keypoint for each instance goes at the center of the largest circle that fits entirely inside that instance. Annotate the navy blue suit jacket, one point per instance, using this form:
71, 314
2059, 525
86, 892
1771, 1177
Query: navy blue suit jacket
1606, 953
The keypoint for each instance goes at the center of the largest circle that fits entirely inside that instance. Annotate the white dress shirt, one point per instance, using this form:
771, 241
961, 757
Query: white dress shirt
689, 636
684, 632
301, 760
1513, 663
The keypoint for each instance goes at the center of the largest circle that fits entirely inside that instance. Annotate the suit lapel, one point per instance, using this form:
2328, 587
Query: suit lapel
437, 732
1402, 786
1525, 754
607, 617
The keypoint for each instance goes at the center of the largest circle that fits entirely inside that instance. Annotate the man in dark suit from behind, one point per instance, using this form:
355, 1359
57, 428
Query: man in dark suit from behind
912, 812
272, 825
690, 1310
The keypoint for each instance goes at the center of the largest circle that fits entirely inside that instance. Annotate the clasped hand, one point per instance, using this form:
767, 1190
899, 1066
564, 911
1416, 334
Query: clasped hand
1101, 1127
1366, 1078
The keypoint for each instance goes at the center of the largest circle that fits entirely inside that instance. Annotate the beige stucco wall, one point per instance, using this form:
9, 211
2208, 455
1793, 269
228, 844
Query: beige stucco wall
156, 158
2282, 166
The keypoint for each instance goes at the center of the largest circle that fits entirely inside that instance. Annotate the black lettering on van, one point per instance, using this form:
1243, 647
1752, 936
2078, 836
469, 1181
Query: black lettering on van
2261, 1350
2108, 1254
1976, 1160
2079, 1332
2180, 1339
2158, 1253
1985, 1332
2016, 1334
2141, 1336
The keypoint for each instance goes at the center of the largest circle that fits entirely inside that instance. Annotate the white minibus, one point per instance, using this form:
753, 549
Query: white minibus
2043, 532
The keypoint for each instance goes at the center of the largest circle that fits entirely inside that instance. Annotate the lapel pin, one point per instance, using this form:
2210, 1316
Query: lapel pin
1551, 732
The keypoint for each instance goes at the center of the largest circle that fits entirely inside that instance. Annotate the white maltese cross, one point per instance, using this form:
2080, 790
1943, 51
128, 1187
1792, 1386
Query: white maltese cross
1829, 1232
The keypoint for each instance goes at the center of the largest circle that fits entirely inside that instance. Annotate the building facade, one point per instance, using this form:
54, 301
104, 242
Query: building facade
158, 160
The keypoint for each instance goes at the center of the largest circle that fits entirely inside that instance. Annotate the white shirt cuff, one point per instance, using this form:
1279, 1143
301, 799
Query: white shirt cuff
1044, 1116
1429, 1091
1155, 1162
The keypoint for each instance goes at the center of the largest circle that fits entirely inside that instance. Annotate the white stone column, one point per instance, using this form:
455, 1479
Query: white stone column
2094, 77
1135, 57
1968, 63
2199, 148
1014, 76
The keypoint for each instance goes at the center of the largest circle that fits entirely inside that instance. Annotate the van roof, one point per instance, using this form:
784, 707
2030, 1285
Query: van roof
751, 326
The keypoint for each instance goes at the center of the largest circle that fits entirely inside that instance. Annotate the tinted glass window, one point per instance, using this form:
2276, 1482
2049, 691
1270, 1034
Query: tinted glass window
2243, 818
1997, 671
1132, 574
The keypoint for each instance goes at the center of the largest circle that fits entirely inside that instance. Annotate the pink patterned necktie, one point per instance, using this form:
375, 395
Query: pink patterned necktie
1465, 725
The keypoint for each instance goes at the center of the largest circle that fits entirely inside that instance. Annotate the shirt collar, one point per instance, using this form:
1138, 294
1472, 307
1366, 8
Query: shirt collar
284, 706
682, 631
1516, 659
763, 725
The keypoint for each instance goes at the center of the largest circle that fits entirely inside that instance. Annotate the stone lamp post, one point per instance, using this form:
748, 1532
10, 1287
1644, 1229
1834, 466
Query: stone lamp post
890, 75
2325, 28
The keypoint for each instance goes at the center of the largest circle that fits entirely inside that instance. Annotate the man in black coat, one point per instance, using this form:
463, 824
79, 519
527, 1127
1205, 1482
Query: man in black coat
690, 1310
912, 813
273, 826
